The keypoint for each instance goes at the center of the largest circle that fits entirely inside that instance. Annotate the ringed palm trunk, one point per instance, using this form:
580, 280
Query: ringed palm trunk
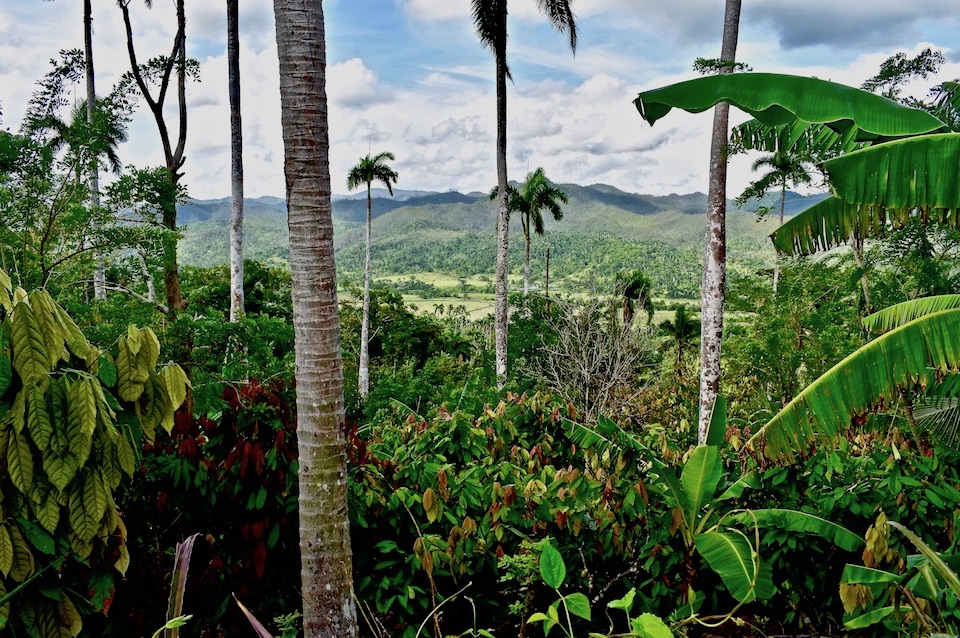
326, 559
712, 292
526, 259
363, 374
503, 214
100, 267
236, 162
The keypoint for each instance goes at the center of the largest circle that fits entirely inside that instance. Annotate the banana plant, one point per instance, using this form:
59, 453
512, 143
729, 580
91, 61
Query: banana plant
915, 594
707, 519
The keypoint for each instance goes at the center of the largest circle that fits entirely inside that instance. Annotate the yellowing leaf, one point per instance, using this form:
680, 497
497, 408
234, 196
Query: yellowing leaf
23, 565
38, 418
44, 311
124, 561
126, 456
20, 462
6, 551
30, 358
176, 382
69, 617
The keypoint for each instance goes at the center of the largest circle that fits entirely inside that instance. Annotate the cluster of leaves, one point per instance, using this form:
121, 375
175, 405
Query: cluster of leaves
71, 420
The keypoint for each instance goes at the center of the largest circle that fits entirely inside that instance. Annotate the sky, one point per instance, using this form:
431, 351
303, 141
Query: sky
410, 77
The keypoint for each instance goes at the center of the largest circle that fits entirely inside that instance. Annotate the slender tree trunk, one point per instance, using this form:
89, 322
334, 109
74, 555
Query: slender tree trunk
236, 162
363, 374
501, 299
776, 253
100, 267
546, 280
712, 292
326, 558
526, 261
147, 277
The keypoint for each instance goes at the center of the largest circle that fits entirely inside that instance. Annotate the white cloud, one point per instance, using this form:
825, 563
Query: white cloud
353, 84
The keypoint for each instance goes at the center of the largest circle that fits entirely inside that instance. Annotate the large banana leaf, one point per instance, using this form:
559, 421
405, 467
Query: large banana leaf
920, 173
796, 521
895, 316
867, 378
777, 99
699, 479
833, 222
733, 558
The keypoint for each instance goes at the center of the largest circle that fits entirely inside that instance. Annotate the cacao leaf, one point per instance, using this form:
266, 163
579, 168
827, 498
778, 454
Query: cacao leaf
6, 286
46, 315
94, 495
84, 522
48, 513
60, 468
130, 376
23, 565
133, 339
6, 551
82, 406
430, 505
69, 617
20, 462
38, 536
77, 343
80, 547
30, 358
38, 418
149, 348
176, 382
123, 563
107, 371
6, 366
126, 456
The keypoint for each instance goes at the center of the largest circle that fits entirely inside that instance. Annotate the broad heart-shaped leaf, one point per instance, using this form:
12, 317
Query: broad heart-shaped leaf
920, 172
552, 569
871, 375
700, 477
578, 605
797, 521
732, 557
777, 99
901, 313
650, 626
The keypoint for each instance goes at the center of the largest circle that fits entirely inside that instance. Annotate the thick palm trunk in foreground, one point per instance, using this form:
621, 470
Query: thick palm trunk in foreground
326, 559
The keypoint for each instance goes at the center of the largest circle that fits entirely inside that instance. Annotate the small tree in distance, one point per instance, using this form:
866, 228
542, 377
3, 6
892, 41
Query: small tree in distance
367, 171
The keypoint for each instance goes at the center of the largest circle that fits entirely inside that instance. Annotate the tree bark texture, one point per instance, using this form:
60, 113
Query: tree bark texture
326, 559
236, 162
713, 288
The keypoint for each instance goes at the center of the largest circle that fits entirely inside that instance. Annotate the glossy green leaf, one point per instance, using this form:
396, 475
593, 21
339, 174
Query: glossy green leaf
860, 575
895, 316
578, 605
801, 522
650, 626
625, 603
732, 557
873, 617
804, 138
552, 569
870, 376
776, 99
700, 477
920, 172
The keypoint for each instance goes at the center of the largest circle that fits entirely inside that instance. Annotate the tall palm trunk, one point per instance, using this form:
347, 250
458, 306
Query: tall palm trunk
526, 258
93, 176
326, 558
363, 382
236, 162
712, 292
503, 214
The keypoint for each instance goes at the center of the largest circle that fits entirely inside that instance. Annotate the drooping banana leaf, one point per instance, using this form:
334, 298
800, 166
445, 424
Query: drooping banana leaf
803, 138
797, 521
869, 377
777, 99
860, 575
948, 575
901, 313
917, 173
734, 559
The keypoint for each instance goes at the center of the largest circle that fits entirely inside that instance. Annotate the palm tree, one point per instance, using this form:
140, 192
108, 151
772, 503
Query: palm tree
785, 167
367, 171
99, 271
490, 21
681, 331
634, 289
535, 194
326, 555
236, 162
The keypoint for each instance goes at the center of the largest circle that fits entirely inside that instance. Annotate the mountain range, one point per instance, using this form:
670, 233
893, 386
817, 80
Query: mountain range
603, 230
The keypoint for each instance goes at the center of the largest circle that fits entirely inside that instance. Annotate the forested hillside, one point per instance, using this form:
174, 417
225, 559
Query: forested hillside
603, 231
